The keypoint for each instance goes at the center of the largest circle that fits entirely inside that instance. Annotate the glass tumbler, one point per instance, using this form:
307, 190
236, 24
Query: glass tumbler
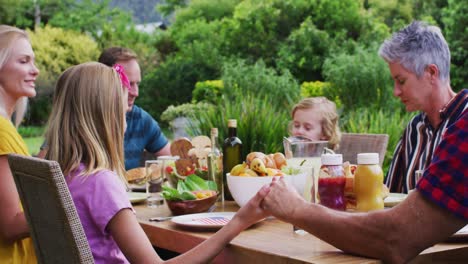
154, 181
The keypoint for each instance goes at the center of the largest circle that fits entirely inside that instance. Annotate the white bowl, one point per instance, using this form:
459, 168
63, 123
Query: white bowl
243, 188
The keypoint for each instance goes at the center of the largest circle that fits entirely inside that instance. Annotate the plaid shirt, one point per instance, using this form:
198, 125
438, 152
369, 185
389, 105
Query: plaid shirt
445, 181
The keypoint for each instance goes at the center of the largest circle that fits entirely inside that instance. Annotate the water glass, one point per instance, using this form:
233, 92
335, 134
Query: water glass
154, 181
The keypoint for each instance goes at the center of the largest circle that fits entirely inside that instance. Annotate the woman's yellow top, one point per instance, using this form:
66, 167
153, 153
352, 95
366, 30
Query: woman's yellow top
21, 251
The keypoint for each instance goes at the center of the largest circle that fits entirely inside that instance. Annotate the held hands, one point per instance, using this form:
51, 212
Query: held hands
283, 200
252, 212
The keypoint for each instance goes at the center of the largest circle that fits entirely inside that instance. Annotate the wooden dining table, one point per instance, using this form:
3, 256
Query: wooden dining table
272, 241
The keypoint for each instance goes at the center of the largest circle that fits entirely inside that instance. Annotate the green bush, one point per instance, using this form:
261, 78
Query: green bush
205, 9
318, 88
56, 50
190, 110
260, 81
258, 27
456, 33
260, 99
209, 91
304, 51
31, 131
259, 126
172, 83
378, 121
360, 80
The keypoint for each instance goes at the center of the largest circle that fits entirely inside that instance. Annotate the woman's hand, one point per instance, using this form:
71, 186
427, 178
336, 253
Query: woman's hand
282, 200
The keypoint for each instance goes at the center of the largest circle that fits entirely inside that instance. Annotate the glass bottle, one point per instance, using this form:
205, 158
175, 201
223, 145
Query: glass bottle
232, 153
215, 164
368, 180
331, 183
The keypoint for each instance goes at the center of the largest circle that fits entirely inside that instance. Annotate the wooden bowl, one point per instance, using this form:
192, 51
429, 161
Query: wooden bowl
191, 206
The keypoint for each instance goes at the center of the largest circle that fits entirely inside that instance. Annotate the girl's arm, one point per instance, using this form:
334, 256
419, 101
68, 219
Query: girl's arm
137, 248
13, 224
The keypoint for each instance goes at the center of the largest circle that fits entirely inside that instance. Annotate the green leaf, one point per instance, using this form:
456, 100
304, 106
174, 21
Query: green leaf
186, 195
181, 187
212, 185
196, 183
170, 193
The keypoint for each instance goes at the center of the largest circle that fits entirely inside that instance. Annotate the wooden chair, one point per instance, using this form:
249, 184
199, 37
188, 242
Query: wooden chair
352, 143
54, 224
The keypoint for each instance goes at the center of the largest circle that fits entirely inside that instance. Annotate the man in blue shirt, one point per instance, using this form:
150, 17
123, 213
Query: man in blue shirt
143, 132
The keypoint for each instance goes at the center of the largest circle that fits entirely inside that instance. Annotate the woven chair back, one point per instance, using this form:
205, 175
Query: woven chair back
55, 227
352, 144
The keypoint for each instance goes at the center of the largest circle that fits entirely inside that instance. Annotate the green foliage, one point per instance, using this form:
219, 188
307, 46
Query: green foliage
379, 121
33, 13
318, 88
456, 32
165, 44
34, 144
167, 7
39, 108
374, 32
57, 49
172, 83
7, 10
394, 13
304, 51
208, 91
260, 81
258, 27
361, 79
338, 18
31, 131
259, 126
314, 89
206, 10
87, 16
198, 30
190, 110
260, 99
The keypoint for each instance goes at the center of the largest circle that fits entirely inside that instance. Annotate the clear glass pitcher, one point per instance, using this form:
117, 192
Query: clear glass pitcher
305, 154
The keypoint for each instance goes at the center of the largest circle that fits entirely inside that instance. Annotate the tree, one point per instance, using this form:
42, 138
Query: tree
456, 32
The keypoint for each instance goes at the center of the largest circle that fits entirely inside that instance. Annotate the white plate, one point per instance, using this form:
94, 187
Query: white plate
205, 220
393, 199
137, 197
462, 232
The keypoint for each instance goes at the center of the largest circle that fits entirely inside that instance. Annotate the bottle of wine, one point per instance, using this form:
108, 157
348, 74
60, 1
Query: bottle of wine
232, 149
215, 164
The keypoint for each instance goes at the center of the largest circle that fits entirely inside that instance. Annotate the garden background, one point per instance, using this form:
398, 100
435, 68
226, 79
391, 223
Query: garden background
246, 59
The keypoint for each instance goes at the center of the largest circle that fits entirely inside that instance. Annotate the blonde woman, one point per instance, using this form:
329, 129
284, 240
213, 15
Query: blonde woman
17, 80
91, 104
316, 118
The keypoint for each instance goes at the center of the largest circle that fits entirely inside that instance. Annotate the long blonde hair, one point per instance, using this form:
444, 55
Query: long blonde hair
329, 117
87, 120
8, 35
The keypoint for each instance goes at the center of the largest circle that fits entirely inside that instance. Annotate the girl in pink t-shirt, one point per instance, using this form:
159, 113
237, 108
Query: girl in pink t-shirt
85, 136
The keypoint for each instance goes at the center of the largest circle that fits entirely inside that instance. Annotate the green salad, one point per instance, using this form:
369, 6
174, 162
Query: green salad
188, 189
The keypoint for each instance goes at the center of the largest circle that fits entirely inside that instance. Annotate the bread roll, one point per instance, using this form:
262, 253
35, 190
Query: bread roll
135, 174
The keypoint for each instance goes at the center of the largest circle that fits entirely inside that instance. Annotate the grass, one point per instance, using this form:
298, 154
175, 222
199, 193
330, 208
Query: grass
34, 144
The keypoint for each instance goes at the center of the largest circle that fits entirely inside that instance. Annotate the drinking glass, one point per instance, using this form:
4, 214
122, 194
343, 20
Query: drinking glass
168, 170
154, 181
